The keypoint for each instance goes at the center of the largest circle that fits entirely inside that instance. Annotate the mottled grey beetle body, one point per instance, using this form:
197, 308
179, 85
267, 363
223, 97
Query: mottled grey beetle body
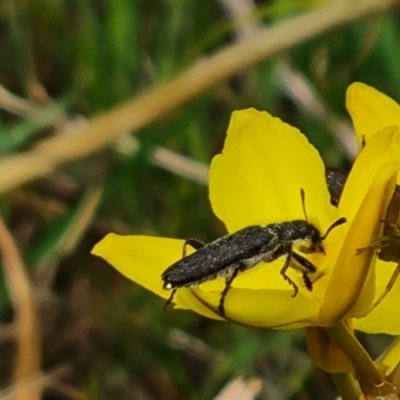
245, 249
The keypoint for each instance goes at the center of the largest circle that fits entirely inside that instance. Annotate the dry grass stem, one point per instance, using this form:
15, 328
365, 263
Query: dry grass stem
104, 129
296, 86
83, 219
164, 158
27, 364
16, 105
33, 384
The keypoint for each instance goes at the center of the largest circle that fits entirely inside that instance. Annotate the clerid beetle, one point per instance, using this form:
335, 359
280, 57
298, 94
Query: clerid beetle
244, 249
335, 180
389, 243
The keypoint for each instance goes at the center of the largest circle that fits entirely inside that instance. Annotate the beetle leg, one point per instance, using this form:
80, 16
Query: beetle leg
307, 282
170, 298
363, 141
307, 267
285, 268
228, 283
379, 244
196, 244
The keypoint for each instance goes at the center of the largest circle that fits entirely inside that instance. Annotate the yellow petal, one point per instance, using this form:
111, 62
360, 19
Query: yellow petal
143, 259
187, 299
381, 149
258, 177
264, 308
370, 110
391, 358
352, 277
381, 319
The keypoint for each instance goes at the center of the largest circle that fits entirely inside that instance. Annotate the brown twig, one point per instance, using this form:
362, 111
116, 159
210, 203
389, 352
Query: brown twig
27, 363
104, 129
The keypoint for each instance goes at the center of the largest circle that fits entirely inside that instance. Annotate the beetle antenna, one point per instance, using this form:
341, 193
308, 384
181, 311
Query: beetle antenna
340, 221
303, 202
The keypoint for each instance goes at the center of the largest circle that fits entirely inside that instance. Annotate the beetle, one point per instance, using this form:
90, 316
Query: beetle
389, 243
335, 180
244, 249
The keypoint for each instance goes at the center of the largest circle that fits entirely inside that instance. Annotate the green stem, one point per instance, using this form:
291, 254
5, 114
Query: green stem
363, 365
346, 386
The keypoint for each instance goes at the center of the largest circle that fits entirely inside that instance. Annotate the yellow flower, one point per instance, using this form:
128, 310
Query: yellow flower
371, 112
257, 180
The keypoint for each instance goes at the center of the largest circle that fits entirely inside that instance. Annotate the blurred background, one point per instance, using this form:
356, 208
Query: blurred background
71, 326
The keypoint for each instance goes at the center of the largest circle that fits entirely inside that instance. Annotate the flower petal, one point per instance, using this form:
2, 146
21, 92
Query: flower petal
381, 319
264, 308
143, 259
384, 147
370, 110
258, 177
391, 358
187, 299
352, 277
